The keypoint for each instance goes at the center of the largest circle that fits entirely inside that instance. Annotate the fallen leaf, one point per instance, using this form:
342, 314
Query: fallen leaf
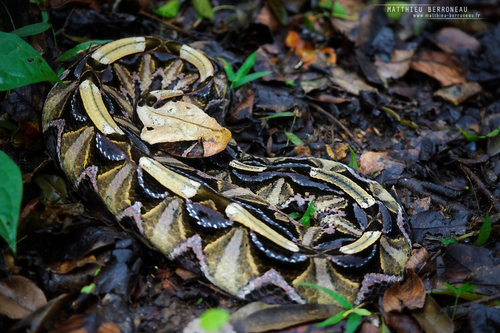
453, 40
349, 82
417, 257
458, 93
409, 294
483, 318
440, 66
432, 318
306, 51
374, 161
36, 320
397, 67
66, 267
19, 297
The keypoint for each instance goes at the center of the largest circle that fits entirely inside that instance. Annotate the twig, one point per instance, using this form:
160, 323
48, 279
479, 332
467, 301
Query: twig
479, 184
336, 122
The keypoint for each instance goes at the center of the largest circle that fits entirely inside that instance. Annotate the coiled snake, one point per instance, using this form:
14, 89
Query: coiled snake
131, 105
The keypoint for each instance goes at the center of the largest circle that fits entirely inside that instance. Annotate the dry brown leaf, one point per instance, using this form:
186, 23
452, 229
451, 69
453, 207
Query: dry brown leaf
458, 93
440, 66
20, 296
306, 51
409, 294
417, 257
397, 67
349, 82
68, 266
243, 109
180, 121
108, 328
432, 318
374, 161
453, 40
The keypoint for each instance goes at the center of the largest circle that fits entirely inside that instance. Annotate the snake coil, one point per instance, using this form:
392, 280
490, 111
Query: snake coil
130, 115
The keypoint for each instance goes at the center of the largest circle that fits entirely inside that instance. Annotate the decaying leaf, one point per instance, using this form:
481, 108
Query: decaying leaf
306, 51
183, 122
417, 257
458, 93
350, 82
397, 67
453, 40
372, 161
19, 296
440, 66
409, 294
432, 318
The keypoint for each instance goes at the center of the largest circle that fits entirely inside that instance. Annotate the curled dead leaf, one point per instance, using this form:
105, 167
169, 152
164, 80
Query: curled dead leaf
440, 66
417, 257
20, 296
306, 51
409, 294
459, 93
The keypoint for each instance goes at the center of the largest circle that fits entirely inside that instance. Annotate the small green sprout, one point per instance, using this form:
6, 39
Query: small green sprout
306, 218
241, 77
485, 232
213, 319
353, 314
465, 288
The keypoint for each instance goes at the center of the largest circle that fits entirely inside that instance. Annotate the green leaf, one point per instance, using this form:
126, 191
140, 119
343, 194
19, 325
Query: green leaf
332, 293
338, 10
308, 23
170, 9
395, 9
362, 312
88, 289
279, 115
80, 48
278, 9
248, 78
31, 29
11, 193
228, 69
485, 232
353, 163
470, 137
203, 8
332, 320
21, 64
448, 241
352, 323
466, 288
326, 4
214, 319
246, 67
450, 287
295, 139
294, 215
10, 126
53, 187
306, 219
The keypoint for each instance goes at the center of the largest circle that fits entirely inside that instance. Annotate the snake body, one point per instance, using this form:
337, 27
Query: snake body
130, 114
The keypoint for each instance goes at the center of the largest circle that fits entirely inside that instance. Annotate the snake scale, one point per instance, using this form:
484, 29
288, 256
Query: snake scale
134, 123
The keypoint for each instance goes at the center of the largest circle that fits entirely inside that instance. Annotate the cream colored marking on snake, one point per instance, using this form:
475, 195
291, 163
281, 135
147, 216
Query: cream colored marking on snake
180, 185
97, 111
199, 61
367, 239
113, 51
241, 215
